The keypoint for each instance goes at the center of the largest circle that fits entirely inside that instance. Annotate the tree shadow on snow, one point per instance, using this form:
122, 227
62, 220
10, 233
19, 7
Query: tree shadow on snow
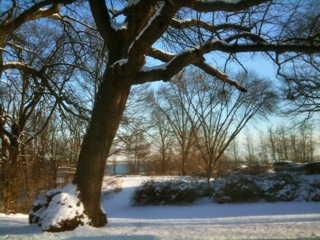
116, 237
13, 227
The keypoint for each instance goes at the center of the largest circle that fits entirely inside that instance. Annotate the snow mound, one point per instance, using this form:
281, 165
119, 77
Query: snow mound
59, 210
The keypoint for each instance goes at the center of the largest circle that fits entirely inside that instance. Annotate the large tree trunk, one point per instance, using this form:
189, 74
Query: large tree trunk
106, 116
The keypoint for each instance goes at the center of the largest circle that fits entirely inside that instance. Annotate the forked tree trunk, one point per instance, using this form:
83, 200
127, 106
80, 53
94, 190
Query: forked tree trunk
107, 113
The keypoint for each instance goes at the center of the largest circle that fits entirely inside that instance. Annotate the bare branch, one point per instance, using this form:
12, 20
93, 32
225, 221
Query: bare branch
219, 75
61, 99
35, 12
249, 36
175, 63
160, 55
223, 46
212, 6
182, 24
156, 73
103, 21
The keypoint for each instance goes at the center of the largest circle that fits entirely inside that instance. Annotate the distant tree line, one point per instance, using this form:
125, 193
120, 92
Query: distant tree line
296, 142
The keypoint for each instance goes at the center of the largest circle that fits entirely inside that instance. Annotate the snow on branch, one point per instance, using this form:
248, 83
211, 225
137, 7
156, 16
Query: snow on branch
160, 55
178, 61
174, 64
33, 13
182, 24
144, 37
222, 5
259, 46
150, 34
187, 23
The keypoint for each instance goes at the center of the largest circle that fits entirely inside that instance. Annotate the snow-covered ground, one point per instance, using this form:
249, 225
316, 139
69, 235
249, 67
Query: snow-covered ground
200, 220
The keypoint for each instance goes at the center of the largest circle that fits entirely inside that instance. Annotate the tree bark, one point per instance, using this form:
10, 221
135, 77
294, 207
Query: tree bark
11, 152
108, 110
10, 191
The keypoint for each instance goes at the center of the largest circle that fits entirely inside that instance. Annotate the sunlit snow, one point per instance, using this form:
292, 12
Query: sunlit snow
200, 220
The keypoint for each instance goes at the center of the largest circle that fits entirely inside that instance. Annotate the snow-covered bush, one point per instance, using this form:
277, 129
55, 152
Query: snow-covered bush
279, 187
237, 188
311, 168
165, 192
58, 210
204, 189
270, 187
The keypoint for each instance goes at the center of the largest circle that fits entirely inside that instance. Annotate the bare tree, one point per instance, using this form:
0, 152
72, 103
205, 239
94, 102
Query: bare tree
222, 112
234, 151
301, 87
250, 147
263, 149
172, 103
162, 138
292, 143
36, 79
210, 114
11, 48
39, 67
300, 73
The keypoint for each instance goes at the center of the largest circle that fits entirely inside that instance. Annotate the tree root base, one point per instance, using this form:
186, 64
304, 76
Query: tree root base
60, 210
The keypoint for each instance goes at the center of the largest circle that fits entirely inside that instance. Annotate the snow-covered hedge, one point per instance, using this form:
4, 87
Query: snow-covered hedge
270, 187
239, 187
166, 192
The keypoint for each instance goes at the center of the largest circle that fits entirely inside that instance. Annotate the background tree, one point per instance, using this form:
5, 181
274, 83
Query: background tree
219, 112
300, 73
292, 143
38, 69
162, 139
13, 112
234, 152
171, 101
251, 158
131, 139
263, 149
24, 97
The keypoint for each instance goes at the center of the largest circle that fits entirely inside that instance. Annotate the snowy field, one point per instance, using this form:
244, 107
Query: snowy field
200, 220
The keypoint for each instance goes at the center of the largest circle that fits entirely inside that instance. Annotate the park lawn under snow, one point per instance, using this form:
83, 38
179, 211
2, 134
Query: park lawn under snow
200, 220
